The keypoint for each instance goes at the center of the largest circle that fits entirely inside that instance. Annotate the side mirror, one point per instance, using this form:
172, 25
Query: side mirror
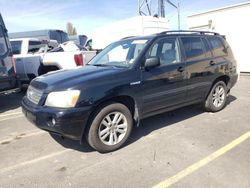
152, 62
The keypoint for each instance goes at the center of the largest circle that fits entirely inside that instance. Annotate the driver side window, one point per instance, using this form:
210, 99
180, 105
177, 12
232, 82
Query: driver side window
166, 50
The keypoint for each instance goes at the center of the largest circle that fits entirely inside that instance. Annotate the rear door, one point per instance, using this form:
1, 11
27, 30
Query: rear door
7, 72
199, 65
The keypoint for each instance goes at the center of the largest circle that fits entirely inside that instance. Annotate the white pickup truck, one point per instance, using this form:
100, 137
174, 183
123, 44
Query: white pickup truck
35, 57
67, 56
28, 54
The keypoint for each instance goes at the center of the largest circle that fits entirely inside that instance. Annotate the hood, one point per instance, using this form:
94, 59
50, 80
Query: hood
66, 79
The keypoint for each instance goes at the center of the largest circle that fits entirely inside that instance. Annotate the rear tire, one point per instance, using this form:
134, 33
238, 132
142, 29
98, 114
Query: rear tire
110, 128
216, 100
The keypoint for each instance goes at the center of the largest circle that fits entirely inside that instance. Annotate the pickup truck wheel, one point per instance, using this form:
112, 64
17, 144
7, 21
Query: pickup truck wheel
216, 100
110, 128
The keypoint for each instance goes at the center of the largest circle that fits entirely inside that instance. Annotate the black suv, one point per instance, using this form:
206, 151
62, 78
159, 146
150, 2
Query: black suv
8, 81
131, 79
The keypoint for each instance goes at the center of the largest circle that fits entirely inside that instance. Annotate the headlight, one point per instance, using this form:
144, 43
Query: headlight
63, 99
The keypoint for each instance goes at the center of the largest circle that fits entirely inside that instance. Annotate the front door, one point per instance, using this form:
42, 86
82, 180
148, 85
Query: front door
164, 86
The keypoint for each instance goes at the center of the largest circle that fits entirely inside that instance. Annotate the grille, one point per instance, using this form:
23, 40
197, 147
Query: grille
34, 95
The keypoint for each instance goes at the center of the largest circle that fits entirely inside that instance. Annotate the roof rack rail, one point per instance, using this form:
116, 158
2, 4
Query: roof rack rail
127, 37
190, 31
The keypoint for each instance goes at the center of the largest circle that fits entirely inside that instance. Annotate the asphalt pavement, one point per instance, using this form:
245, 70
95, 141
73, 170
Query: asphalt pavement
184, 148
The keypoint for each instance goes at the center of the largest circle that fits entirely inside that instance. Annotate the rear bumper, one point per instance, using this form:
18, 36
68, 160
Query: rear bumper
12, 85
66, 122
15, 90
233, 80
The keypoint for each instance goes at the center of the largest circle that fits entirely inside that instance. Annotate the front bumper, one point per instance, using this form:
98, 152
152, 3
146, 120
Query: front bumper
66, 122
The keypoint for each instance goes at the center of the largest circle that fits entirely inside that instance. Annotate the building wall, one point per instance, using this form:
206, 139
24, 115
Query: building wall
230, 21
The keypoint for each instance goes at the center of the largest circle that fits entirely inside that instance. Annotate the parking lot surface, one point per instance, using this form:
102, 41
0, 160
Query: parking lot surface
184, 148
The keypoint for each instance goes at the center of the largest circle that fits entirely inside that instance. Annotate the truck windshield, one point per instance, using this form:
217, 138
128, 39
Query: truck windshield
120, 54
3, 44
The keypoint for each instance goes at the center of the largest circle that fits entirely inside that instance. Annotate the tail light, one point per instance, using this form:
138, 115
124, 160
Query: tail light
78, 59
13, 62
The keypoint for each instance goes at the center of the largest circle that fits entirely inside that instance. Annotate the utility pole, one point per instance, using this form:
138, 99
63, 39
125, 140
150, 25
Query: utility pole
178, 11
161, 8
144, 8
179, 19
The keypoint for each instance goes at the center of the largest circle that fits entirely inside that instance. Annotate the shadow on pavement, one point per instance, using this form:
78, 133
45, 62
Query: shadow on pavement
166, 119
72, 144
11, 101
146, 126
230, 99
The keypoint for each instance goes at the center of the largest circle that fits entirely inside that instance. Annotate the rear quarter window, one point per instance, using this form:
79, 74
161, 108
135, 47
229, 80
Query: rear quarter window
193, 48
218, 49
3, 43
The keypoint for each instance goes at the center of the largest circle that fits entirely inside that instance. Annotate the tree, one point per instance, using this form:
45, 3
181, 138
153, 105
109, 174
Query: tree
71, 30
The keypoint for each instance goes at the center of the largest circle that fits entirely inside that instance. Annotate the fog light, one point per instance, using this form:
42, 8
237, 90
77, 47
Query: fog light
53, 121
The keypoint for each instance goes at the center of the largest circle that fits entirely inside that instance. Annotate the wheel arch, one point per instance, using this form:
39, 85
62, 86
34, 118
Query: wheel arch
43, 69
224, 78
126, 100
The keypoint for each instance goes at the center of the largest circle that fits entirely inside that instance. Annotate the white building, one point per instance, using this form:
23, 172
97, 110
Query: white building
233, 22
134, 26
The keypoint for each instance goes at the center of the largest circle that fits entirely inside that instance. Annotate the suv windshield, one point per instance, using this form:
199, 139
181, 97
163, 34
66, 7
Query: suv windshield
120, 54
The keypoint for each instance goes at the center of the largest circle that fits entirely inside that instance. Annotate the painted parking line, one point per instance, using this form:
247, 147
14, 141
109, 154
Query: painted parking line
23, 164
189, 170
15, 117
10, 114
23, 135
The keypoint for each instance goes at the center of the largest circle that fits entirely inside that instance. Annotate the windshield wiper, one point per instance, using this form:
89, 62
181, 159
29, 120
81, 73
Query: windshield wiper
99, 65
106, 65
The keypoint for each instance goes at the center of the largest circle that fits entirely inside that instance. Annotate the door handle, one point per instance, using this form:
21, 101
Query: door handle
180, 69
211, 62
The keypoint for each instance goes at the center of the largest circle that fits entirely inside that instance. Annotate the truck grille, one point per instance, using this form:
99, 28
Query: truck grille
34, 95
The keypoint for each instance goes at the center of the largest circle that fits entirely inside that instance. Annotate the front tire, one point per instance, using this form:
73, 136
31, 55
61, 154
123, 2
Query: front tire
216, 100
110, 128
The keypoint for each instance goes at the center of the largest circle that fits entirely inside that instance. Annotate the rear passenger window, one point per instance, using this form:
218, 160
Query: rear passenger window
217, 47
193, 48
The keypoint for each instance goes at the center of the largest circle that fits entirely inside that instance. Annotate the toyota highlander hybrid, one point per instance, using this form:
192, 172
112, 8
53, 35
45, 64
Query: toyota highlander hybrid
129, 80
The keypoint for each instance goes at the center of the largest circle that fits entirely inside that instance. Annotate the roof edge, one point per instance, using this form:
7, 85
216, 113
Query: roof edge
219, 9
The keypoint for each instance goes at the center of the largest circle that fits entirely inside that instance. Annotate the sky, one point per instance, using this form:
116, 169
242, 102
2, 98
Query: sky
87, 15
